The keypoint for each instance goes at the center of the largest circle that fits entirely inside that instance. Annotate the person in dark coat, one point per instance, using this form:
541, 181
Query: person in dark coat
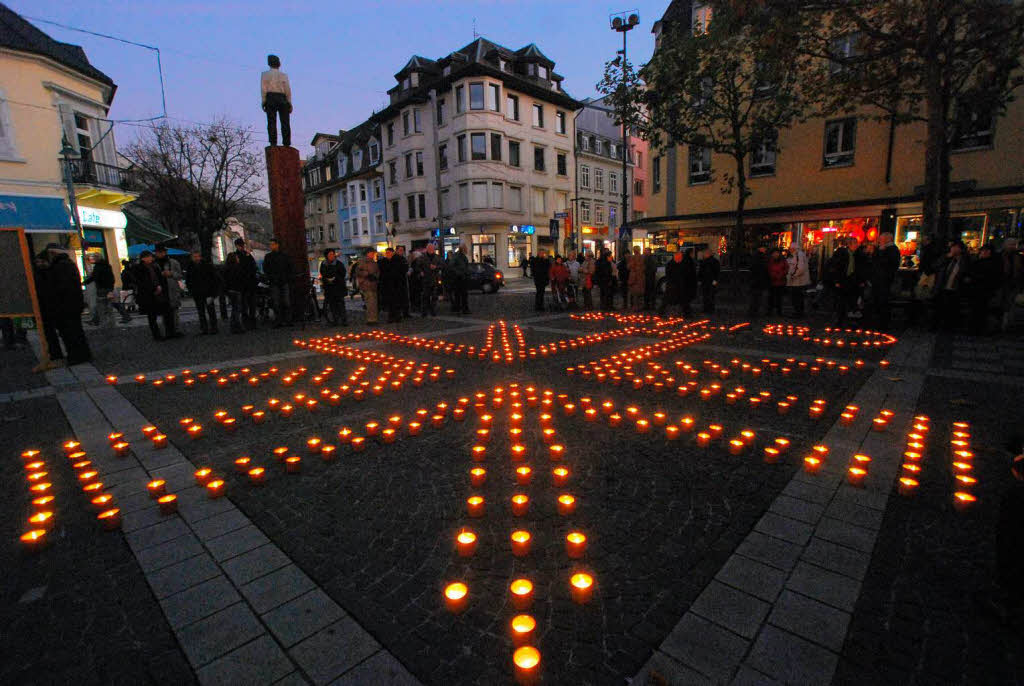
778, 268
203, 283
68, 301
949, 281
604, 278
759, 280
235, 280
402, 275
427, 271
392, 278
885, 264
459, 265
332, 276
278, 270
102, 276
708, 272
151, 294
623, 274
847, 276
930, 255
677, 284
540, 267
250, 273
984, 279
650, 279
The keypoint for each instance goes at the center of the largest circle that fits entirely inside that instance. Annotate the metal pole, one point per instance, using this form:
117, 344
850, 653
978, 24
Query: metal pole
625, 150
69, 183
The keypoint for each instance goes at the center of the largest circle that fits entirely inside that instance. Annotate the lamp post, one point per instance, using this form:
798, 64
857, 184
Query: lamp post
624, 22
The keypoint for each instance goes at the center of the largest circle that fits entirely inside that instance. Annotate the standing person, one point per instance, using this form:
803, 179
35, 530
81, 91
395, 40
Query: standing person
798, 278
402, 272
427, 271
885, 264
385, 283
708, 272
636, 278
151, 293
777, 270
332, 276
414, 282
524, 262
204, 284
559, 274
234, 284
949, 281
460, 280
174, 276
622, 271
604, 277
689, 281
1013, 280
573, 265
759, 280
367, 281
62, 289
674, 283
278, 270
983, 281
540, 266
250, 278
48, 309
650, 279
102, 278
587, 270
930, 255
848, 272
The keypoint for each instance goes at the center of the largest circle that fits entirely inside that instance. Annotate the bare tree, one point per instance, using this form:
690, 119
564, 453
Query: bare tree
193, 178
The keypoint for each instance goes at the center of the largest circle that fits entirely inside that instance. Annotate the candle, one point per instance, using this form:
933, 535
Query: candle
575, 545
34, 540
816, 411
518, 451
168, 504
477, 476
40, 489
908, 485
286, 410
88, 476
140, 378
93, 488
414, 428
314, 445
782, 444
523, 475
965, 481
812, 464
566, 504
703, 439
547, 435
465, 543
328, 453
115, 437
963, 501
687, 424
120, 448
478, 452
215, 488
358, 444
520, 504
856, 475
771, 455
475, 506
559, 476
483, 436
614, 419
455, 597
521, 543
642, 426
257, 475
671, 432
112, 380
110, 519
372, 429
203, 475
242, 464
71, 447
99, 502
258, 417
582, 587
862, 460
522, 593
522, 628
556, 452
736, 446
195, 431
527, 665
715, 430
293, 464
41, 520
156, 488
42, 502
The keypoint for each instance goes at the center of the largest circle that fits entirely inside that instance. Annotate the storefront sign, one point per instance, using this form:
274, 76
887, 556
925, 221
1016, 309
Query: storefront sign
34, 213
523, 229
107, 219
437, 233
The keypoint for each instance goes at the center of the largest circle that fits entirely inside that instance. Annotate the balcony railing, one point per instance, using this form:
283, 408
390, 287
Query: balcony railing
97, 174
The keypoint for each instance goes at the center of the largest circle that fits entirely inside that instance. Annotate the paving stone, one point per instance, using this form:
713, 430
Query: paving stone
844, 533
833, 589
851, 512
751, 677
770, 550
258, 662
809, 492
785, 528
141, 518
382, 669
178, 577
711, 650
220, 524
753, 577
737, 611
165, 530
293, 679
333, 651
301, 617
219, 634
255, 563
267, 592
864, 497
837, 558
790, 659
236, 542
795, 508
807, 618
169, 553
199, 601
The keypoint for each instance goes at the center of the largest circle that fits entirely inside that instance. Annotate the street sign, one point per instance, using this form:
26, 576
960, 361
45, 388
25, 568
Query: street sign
553, 228
625, 233
561, 215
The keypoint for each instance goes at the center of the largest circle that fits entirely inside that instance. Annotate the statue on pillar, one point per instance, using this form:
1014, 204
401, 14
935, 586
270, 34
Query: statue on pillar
276, 99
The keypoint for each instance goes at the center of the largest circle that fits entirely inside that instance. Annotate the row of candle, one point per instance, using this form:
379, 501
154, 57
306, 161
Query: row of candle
834, 336
962, 465
41, 521
912, 455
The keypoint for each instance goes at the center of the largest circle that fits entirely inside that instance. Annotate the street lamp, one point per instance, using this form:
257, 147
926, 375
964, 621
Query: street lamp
624, 22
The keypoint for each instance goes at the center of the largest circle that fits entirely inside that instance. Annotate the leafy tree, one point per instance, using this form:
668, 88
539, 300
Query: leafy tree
192, 179
728, 85
950, 64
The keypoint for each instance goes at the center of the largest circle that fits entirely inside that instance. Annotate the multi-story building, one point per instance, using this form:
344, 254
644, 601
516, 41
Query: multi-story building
53, 99
476, 149
320, 186
839, 176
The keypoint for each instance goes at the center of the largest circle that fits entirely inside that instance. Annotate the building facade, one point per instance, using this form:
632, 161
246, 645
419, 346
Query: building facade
53, 121
477, 148
836, 177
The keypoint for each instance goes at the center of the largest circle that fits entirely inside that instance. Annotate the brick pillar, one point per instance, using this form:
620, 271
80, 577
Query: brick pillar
287, 211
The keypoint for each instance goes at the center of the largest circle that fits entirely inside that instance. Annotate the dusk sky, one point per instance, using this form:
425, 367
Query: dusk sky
340, 57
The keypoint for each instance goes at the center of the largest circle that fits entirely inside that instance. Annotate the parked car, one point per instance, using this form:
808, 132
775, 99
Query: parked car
485, 277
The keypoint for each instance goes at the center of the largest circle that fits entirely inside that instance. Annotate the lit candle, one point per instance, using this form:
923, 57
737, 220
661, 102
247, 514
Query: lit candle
314, 445
328, 453
687, 424
258, 417
88, 476
782, 444
71, 447
455, 597
101, 502
703, 439
575, 545
168, 504
34, 540
527, 665
115, 437
156, 488
556, 452
614, 419
856, 475
112, 380
358, 444
215, 488
483, 436
522, 593
44, 502
475, 506
582, 587
672, 432
203, 475
566, 504
477, 476
110, 519
812, 464
521, 543
736, 446
963, 501
465, 543
520, 504
414, 428
293, 464
559, 476
257, 475
523, 475
140, 378
242, 464
41, 520
522, 629
548, 435
195, 431
771, 455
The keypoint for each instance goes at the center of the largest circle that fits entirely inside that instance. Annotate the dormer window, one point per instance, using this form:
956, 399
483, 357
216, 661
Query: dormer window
447, 70
502, 65
342, 165
406, 83
415, 79
357, 160
542, 71
374, 152
531, 69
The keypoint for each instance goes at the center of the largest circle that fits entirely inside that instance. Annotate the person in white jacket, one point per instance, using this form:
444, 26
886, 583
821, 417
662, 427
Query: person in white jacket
798, 278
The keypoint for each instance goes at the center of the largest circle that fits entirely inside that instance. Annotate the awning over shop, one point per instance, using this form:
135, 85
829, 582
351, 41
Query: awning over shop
35, 214
141, 229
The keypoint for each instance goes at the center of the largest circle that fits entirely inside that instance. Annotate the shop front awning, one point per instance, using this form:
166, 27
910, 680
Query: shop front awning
141, 229
35, 214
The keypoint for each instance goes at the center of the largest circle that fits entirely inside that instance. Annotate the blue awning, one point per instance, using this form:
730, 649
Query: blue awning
35, 214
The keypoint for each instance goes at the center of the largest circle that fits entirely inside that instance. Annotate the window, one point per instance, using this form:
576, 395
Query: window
478, 198
639, 158
842, 49
406, 83
419, 164
374, 152
330, 232
344, 229
840, 138
542, 71
559, 122
539, 206
391, 134
441, 113
599, 179
613, 182
357, 159
416, 123
762, 157
364, 224
512, 107
612, 209
638, 188
392, 172
478, 145
410, 204
421, 200
584, 176
494, 97
394, 211
502, 65
320, 233
538, 158
700, 17
496, 147
973, 127
515, 198
562, 168
613, 150
599, 214
329, 171
496, 195
344, 197
442, 156
513, 153
460, 104
376, 190
584, 142
476, 96
463, 196
461, 148
446, 207
405, 123
538, 115
362, 192
408, 165
656, 173
700, 164
585, 211
330, 202
378, 223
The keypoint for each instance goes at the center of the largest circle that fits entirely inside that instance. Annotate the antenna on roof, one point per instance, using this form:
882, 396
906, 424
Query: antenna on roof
475, 34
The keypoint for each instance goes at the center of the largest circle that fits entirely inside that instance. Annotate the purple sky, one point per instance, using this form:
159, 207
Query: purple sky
341, 57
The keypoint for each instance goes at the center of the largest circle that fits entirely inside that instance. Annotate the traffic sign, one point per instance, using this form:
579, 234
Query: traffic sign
561, 215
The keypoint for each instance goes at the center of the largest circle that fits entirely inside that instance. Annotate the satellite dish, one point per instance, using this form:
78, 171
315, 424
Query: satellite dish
616, 22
